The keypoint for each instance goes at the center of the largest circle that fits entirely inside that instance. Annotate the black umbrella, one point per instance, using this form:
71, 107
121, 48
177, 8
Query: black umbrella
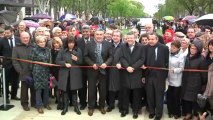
205, 20
30, 18
7, 17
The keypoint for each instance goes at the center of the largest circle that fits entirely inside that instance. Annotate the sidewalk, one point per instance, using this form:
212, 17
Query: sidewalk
17, 113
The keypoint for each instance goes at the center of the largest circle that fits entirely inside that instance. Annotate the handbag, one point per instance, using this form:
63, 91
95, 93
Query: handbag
52, 81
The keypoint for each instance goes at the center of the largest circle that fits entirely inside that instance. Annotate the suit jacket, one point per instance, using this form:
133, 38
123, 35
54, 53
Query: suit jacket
6, 51
81, 44
162, 62
134, 59
90, 55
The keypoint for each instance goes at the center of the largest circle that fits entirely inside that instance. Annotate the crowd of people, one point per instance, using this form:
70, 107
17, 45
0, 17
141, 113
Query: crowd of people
137, 70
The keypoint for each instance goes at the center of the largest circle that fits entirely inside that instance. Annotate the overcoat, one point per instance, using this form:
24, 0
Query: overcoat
114, 73
134, 59
73, 74
40, 73
22, 51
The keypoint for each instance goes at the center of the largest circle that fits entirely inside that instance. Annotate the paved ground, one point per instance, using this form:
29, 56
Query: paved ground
17, 113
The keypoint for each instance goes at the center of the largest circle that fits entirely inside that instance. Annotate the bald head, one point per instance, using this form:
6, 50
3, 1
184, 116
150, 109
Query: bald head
149, 28
25, 38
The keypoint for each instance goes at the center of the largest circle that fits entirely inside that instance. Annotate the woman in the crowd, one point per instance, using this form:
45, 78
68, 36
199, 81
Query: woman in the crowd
144, 39
40, 73
192, 82
184, 46
56, 47
176, 66
70, 78
209, 88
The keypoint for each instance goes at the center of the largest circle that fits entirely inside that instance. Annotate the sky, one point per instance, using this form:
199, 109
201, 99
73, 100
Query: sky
150, 5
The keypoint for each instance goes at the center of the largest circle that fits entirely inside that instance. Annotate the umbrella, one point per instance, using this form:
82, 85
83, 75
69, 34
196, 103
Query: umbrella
169, 18
41, 16
30, 23
30, 18
7, 17
189, 17
205, 20
67, 17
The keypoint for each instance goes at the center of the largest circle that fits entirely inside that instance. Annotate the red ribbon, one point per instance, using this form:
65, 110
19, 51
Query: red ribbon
55, 65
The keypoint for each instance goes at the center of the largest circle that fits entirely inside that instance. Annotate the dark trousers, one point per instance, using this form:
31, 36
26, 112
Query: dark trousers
42, 97
25, 96
112, 97
155, 96
11, 76
97, 79
135, 99
173, 100
83, 91
190, 107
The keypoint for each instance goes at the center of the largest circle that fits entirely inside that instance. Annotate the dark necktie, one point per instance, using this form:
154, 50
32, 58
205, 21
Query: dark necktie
99, 59
11, 42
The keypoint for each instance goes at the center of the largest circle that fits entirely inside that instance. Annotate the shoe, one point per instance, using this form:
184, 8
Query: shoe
90, 112
83, 107
64, 111
59, 106
151, 116
176, 116
109, 109
124, 113
26, 108
48, 107
171, 115
102, 110
15, 98
76, 109
40, 110
135, 115
157, 118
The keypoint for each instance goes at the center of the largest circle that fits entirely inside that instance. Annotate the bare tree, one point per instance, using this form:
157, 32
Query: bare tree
42, 5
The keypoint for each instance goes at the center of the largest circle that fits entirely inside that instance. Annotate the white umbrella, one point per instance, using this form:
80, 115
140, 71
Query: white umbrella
205, 20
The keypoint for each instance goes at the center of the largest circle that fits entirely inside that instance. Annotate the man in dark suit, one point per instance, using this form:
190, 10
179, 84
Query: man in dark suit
6, 47
82, 43
132, 58
97, 54
157, 56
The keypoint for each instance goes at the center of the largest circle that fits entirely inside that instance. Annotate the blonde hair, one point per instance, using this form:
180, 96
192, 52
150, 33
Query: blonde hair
56, 40
39, 38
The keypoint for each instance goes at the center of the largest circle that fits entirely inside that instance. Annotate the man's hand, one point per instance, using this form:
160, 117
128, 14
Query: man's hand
103, 66
118, 66
130, 69
203, 116
144, 67
95, 67
68, 65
